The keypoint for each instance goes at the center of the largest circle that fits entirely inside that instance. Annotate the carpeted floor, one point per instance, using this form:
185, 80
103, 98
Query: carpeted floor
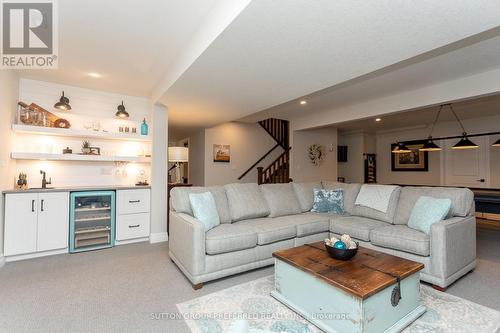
131, 288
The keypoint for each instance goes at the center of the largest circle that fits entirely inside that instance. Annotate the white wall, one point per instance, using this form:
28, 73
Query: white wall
9, 85
433, 177
248, 143
301, 167
88, 106
159, 175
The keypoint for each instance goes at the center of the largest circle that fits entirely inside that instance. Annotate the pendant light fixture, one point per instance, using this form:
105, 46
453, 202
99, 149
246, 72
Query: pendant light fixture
401, 149
63, 103
465, 142
496, 144
429, 145
121, 113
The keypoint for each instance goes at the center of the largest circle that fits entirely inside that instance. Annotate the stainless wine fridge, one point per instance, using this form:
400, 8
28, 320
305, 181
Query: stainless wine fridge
92, 220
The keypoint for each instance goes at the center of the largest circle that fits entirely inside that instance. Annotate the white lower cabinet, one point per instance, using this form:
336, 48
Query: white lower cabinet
132, 226
133, 214
35, 222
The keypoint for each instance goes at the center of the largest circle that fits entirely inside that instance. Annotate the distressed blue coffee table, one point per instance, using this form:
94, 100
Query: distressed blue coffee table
371, 293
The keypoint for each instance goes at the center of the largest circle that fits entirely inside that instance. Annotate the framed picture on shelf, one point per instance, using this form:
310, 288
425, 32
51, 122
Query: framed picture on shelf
414, 161
222, 153
95, 151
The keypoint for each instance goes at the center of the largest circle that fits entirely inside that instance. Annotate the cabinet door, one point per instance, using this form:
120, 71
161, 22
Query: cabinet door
53, 221
20, 223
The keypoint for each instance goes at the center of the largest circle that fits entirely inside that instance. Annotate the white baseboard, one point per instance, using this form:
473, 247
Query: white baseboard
36, 255
131, 241
158, 237
2, 261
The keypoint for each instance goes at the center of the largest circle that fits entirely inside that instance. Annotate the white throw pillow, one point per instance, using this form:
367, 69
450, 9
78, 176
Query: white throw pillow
204, 209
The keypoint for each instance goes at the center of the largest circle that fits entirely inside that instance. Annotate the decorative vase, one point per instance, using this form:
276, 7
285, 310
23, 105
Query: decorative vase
86, 151
144, 127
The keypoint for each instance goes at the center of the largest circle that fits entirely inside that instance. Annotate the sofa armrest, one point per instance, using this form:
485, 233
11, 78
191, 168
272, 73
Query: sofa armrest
187, 242
453, 245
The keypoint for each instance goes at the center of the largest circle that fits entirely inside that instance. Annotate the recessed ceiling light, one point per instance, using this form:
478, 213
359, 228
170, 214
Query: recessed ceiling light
303, 102
96, 75
378, 119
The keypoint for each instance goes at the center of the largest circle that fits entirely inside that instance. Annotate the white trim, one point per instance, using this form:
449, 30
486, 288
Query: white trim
69, 132
78, 157
35, 255
158, 237
130, 241
2, 261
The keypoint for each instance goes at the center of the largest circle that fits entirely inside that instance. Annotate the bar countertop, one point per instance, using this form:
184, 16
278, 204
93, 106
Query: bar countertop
78, 189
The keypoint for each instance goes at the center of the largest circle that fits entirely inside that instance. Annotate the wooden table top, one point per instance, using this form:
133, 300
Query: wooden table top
364, 275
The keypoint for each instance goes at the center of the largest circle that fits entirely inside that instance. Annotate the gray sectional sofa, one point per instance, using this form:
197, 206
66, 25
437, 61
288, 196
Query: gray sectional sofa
258, 220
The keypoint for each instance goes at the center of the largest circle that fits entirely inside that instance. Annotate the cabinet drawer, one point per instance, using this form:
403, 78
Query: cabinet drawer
133, 201
132, 226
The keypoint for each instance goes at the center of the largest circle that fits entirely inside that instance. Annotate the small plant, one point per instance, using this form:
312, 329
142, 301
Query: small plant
86, 147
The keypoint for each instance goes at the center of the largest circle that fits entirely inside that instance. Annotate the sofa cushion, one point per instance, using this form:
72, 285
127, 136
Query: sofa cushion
281, 199
308, 223
204, 209
179, 200
355, 226
305, 195
462, 200
378, 215
427, 211
229, 238
246, 201
270, 230
401, 237
350, 192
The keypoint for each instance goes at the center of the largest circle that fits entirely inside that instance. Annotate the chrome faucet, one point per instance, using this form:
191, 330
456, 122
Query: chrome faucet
44, 179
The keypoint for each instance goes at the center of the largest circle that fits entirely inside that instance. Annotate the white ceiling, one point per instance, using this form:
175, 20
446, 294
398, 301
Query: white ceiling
278, 50
273, 52
467, 57
131, 43
475, 108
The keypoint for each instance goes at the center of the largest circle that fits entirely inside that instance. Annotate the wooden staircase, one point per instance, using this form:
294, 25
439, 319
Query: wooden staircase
279, 170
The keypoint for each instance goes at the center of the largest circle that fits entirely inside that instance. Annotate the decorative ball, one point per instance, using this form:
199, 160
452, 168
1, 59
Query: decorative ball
352, 245
340, 245
346, 239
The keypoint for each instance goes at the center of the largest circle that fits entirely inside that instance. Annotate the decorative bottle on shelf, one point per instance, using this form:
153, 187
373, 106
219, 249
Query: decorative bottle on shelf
144, 127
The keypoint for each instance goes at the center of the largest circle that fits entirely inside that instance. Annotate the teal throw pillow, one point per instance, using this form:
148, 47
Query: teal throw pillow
428, 210
204, 209
328, 201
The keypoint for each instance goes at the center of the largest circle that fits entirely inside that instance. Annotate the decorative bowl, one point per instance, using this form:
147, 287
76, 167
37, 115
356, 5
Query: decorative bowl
341, 254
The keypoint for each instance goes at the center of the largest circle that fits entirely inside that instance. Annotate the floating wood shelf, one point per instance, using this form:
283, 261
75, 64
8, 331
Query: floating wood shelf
77, 157
69, 132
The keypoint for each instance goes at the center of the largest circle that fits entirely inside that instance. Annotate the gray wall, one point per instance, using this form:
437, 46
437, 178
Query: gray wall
301, 167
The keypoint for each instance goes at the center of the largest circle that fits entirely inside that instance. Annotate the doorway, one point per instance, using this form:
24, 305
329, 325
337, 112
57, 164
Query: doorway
467, 167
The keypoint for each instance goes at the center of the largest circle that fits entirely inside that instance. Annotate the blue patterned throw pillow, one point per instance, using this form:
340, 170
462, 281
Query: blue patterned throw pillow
328, 201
